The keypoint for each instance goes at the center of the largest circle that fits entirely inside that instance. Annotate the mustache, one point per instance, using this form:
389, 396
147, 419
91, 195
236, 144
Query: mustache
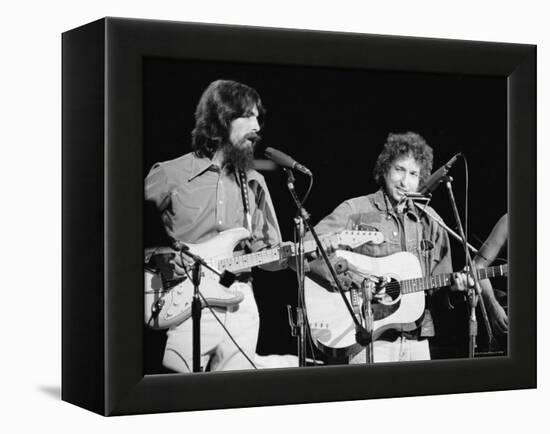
253, 137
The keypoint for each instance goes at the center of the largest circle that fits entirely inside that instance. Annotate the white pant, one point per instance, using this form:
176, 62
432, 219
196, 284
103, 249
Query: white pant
243, 323
399, 350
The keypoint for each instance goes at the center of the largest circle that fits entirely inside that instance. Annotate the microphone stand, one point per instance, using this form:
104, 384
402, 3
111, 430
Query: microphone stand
362, 336
196, 312
298, 326
474, 294
441, 223
226, 279
367, 290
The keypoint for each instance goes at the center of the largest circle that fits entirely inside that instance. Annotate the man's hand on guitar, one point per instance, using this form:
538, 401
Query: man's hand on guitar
329, 242
462, 281
320, 269
284, 263
180, 262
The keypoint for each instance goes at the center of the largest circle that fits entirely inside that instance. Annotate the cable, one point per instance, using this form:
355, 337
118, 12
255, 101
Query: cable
309, 337
227, 331
308, 189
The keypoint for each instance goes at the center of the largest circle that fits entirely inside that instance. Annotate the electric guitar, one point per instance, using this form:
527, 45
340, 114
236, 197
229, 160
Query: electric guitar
168, 302
398, 303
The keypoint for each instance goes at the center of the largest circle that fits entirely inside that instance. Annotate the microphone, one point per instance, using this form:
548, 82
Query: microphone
286, 161
433, 181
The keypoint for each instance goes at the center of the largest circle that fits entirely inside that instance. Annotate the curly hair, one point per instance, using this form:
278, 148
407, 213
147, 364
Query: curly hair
221, 102
398, 145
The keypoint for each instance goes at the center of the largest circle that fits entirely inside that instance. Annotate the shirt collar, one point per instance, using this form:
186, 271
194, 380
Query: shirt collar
200, 165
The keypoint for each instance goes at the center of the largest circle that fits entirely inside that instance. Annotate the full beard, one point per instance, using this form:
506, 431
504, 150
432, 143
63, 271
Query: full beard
241, 155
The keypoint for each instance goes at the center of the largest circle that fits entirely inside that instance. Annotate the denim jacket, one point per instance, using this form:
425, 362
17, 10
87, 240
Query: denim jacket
412, 231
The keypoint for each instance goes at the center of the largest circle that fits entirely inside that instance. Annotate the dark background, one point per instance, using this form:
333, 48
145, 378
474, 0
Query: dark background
335, 121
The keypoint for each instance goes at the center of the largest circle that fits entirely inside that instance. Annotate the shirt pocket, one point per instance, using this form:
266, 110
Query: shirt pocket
186, 206
386, 247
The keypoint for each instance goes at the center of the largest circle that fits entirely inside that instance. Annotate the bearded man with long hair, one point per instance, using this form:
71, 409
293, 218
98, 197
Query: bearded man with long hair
199, 195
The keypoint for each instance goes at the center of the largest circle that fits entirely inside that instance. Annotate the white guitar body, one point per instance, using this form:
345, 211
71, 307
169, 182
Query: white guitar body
175, 303
330, 323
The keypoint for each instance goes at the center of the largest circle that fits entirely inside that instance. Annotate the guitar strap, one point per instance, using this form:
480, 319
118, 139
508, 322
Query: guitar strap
243, 179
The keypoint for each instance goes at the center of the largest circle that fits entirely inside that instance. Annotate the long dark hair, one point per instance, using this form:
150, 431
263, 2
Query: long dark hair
221, 102
398, 145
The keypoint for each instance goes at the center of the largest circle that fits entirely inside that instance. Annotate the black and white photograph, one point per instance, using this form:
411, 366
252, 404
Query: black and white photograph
330, 211
377, 153
279, 217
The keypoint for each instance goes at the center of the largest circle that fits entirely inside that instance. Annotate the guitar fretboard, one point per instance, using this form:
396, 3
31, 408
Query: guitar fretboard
347, 238
424, 283
237, 263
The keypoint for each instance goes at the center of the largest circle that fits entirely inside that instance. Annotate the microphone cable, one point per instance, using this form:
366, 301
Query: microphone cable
308, 189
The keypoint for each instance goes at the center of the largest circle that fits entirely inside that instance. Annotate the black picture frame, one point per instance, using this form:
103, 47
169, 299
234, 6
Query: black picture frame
103, 184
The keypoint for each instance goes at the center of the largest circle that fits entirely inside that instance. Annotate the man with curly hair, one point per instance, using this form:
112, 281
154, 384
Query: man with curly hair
403, 166
199, 195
